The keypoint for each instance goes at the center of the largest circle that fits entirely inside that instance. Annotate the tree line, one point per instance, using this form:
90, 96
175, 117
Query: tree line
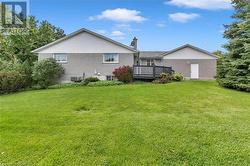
18, 65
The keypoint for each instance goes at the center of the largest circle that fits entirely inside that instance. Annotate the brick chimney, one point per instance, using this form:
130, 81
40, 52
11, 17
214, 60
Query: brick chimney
134, 43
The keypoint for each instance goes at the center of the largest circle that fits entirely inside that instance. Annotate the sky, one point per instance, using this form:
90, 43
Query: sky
158, 24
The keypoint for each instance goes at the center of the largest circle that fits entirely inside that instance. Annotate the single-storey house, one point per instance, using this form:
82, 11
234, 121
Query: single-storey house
86, 54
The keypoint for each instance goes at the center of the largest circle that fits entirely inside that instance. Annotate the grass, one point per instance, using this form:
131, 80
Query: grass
187, 123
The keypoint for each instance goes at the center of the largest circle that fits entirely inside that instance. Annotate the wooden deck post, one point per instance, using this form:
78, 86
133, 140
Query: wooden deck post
154, 71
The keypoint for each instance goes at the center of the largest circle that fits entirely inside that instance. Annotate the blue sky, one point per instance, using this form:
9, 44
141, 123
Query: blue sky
158, 24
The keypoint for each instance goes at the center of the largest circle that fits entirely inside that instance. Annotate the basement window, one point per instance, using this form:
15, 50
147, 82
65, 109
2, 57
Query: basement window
110, 78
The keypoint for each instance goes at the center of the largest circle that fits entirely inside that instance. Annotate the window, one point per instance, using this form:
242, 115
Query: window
110, 78
60, 58
150, 62
110, 58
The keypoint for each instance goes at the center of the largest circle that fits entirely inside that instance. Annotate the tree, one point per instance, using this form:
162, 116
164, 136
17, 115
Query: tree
47, 72
219, 53
234, 67
47, 33
18, 45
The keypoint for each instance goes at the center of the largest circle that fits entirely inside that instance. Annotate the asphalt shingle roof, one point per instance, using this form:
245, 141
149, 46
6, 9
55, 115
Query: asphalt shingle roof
151, 54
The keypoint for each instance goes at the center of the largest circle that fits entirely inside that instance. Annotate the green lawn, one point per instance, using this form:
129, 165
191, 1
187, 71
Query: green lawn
187, 123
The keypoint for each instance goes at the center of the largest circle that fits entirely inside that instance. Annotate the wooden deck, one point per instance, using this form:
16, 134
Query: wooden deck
150, 72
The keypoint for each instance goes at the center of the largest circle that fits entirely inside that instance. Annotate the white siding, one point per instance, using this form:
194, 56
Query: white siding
188, 53
85, 43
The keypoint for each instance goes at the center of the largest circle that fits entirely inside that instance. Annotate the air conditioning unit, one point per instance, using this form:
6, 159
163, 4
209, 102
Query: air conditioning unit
76, 79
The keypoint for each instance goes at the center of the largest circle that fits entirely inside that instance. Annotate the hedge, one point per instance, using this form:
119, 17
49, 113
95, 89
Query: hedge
11, 81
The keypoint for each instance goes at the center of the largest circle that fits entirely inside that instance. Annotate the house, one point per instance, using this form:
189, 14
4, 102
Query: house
191, 61
85, 54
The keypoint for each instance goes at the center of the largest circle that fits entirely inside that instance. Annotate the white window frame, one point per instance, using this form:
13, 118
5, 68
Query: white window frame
55, 54
115, 62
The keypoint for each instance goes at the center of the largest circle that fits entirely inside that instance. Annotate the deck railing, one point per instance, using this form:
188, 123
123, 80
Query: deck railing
150, 72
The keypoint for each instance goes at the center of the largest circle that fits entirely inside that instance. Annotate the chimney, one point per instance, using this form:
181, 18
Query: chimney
134, 43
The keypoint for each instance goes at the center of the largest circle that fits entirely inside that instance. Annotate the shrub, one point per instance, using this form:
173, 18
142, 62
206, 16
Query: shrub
11, 81
177, 77
13, 73
105, 83
46, 72
90, 79
26, 71
124, 74
234, 74
156, 81
243, 87
164, 78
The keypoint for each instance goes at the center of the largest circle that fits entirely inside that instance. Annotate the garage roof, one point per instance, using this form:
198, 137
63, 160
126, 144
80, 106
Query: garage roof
190, 46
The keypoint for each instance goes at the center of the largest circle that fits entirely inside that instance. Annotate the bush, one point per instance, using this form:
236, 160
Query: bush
22, 68
233, 83
90, 79
11, 81
243, 87
156, 81
234, 74
164, 78
177, 77
124, 74
26, 71
9, 66
46, 72
105, 83
12, 74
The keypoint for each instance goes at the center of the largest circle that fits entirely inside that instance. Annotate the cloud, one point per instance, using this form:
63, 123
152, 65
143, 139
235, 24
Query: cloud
183, 17
161, 24
119, 15
125, 27
101, 31
117, 34
202, 4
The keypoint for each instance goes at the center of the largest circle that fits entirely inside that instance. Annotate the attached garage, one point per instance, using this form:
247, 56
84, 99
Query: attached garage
192, 62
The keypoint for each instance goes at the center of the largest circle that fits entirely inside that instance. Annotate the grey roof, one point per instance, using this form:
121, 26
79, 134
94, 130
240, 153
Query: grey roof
151, 54
190, 46
87, 31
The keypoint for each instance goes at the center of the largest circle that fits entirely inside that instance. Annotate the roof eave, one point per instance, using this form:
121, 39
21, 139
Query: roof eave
80, 31
190, 46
